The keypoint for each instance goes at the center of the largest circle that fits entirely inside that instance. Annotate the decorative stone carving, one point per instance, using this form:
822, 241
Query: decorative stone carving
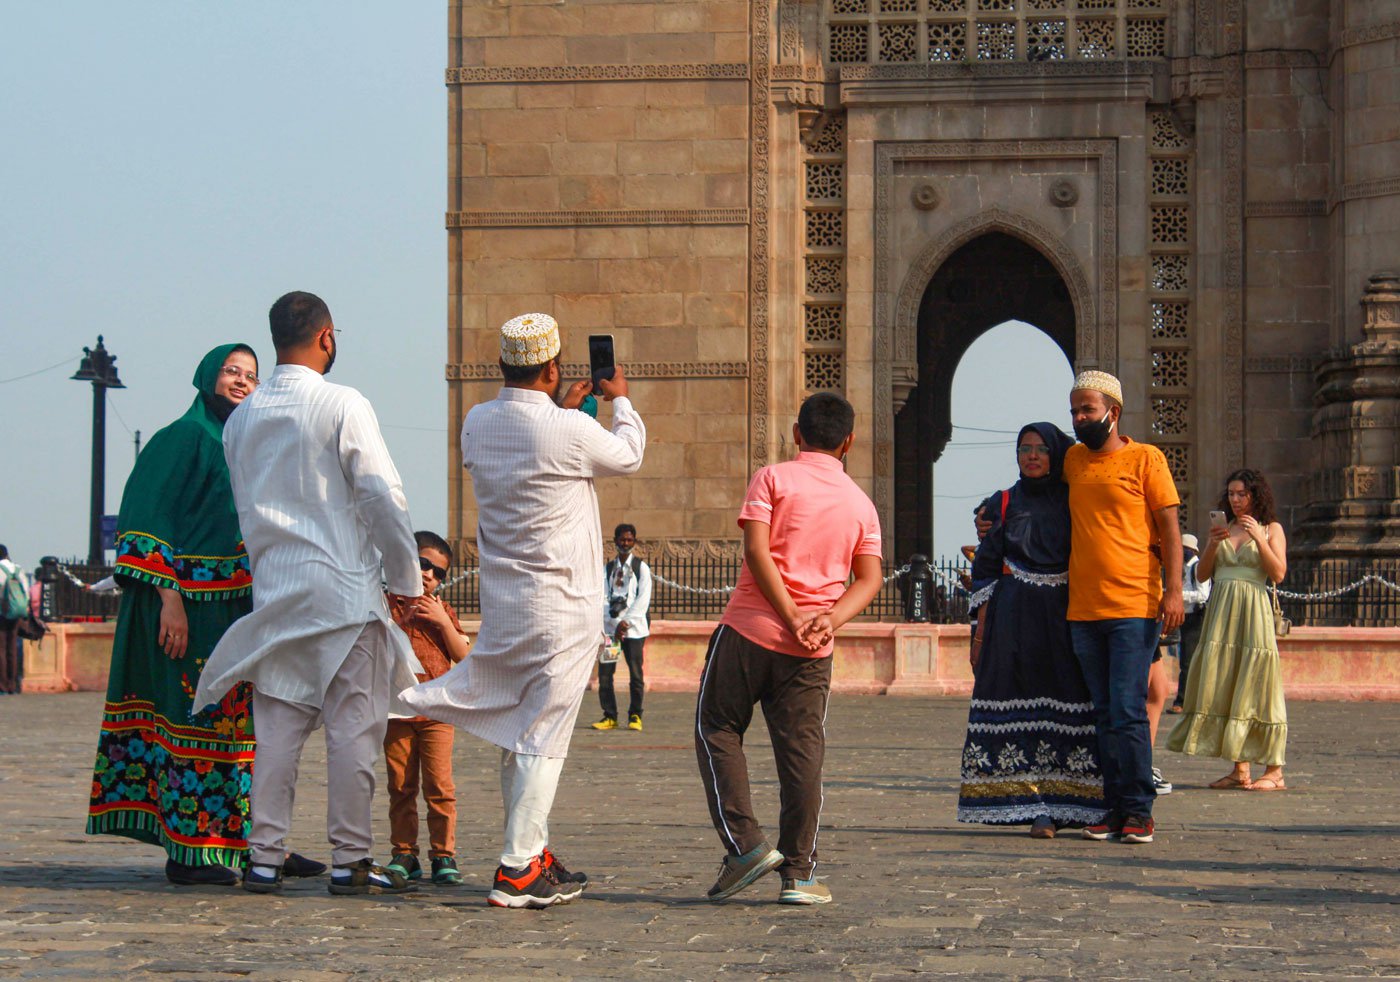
491, 372
1356, 427
1063, 194
926, 197
608, 216
479, 75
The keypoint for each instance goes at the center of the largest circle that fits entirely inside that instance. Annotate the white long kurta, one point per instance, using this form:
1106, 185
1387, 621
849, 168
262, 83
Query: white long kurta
532, 466
320, 505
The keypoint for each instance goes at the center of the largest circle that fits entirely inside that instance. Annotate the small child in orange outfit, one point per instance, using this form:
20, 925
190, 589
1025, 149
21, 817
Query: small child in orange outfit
419, 750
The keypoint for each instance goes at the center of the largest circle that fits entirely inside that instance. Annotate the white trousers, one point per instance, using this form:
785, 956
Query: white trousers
355, 713
528, 783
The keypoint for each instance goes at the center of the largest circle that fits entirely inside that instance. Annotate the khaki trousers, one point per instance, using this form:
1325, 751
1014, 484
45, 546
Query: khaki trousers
418, 752
354, 712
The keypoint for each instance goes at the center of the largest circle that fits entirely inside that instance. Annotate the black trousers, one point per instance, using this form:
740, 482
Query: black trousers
1190, 637
11, 656
794, 693
636, 686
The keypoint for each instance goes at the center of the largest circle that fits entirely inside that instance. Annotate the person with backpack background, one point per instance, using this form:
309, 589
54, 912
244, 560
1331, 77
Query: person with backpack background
626, 598
14, 609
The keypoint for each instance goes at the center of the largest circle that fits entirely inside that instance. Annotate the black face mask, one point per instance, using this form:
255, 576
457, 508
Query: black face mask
1094, 434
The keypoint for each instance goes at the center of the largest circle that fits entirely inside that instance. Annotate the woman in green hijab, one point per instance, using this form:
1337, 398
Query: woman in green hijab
164, 776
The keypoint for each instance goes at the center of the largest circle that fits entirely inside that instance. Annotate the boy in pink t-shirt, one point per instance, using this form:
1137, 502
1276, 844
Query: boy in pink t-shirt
807, 528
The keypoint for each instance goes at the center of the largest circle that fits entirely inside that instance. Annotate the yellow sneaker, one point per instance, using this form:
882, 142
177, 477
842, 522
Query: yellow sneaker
606, 723
634, 722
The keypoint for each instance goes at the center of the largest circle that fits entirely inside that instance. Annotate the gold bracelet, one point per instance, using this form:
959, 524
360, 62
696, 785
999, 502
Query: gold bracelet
977, 637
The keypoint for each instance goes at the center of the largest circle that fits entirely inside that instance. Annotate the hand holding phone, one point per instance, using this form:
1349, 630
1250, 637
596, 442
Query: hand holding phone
601, 360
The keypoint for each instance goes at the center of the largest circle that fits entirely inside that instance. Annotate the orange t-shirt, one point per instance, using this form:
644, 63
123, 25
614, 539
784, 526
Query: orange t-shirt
1112, 497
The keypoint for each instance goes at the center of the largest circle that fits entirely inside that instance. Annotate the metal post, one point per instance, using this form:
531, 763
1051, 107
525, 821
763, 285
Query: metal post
99, 472
100, 368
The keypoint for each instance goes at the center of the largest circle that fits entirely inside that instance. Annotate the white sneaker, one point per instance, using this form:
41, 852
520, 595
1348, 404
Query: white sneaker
1162, 785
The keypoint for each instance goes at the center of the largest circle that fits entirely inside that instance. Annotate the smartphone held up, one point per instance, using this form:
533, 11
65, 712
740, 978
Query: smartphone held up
601, 361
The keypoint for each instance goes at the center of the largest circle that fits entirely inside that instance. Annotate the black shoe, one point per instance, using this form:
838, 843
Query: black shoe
551, 862
406, 863
199, 876
298, 865
532, 886
255, 882
445, 873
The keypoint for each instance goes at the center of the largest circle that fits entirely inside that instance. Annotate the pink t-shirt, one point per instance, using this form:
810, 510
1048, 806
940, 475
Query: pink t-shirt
820, 521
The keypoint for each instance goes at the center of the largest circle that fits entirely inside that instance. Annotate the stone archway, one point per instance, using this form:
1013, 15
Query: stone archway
989, 279
897, 371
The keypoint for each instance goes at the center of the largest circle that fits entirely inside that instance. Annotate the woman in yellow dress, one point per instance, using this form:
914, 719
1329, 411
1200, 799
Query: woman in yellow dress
1234, 692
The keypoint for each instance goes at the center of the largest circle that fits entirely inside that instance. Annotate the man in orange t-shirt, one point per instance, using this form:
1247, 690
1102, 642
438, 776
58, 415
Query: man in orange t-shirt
1123, 516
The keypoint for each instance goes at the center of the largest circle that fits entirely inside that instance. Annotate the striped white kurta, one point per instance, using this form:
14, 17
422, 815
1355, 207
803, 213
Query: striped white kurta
532, 466
320, 505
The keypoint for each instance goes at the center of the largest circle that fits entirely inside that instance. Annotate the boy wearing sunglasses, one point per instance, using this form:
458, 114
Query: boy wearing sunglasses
418, 751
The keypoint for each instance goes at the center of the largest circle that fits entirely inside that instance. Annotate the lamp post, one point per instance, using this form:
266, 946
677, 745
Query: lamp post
100, 368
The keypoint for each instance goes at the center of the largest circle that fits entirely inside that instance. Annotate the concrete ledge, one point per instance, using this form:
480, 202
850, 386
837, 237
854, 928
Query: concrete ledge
1347, 664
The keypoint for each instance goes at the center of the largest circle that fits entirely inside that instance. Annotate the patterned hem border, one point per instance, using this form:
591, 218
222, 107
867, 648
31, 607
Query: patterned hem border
137, 821
190, 589
1026, 814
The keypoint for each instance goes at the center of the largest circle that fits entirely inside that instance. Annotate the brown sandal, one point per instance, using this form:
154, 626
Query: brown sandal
1274, 784
1229, 781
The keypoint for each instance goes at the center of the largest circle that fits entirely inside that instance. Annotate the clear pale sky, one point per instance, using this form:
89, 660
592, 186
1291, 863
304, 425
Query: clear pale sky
170, 169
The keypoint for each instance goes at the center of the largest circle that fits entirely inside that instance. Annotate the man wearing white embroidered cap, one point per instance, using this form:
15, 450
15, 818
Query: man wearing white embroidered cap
1123, 534
532, 462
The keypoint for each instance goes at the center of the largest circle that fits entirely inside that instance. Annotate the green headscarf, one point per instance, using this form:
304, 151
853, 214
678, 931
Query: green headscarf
178, 527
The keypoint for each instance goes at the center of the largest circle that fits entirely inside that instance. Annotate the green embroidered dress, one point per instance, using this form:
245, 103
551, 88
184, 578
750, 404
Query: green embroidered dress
165, 776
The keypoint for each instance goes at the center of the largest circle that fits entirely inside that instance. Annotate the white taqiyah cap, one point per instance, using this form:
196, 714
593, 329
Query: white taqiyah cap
530, 339
1099, 382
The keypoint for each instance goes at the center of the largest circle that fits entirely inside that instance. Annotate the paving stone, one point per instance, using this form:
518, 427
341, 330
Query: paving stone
1300, 884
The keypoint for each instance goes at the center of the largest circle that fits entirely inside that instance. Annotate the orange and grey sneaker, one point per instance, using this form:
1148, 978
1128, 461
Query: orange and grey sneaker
606, 723
1137, 829
1108, 827
530, 886
551, 862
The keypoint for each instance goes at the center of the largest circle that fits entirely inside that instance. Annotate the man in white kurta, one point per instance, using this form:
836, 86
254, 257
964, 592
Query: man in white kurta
532, 465
321, 508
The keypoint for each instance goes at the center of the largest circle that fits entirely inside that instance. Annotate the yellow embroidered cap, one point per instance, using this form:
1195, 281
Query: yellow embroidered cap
1099, 382
530, 339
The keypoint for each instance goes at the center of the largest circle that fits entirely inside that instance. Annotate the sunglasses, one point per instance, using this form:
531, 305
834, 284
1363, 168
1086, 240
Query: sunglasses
426, 566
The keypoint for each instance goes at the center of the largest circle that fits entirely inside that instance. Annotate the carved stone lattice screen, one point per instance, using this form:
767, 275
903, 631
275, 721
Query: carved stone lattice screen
905, 31
1169, 295
824, 258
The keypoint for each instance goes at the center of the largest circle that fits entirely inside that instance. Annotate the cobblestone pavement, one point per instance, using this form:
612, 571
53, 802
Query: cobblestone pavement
1301, 884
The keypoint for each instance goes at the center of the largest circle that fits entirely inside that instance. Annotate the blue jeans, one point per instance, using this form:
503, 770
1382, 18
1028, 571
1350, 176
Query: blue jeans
1115, 656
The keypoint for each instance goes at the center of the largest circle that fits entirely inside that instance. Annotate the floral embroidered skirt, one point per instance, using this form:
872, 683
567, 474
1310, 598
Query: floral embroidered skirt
1031, 748
163, 776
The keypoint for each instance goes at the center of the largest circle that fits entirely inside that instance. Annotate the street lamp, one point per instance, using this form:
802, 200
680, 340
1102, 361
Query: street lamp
100, 368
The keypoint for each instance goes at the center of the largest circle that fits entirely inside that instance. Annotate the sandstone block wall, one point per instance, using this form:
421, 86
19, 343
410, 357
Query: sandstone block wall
628, 190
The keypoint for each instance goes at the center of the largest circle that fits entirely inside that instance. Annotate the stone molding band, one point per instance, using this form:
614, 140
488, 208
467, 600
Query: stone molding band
607, 216
1007, 69
491, 372
1285, 209
1281, 364
483, 75
1366, 35
1378, 188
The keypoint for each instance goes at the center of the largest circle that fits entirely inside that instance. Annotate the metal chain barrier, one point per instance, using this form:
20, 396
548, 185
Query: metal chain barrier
1334, 594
